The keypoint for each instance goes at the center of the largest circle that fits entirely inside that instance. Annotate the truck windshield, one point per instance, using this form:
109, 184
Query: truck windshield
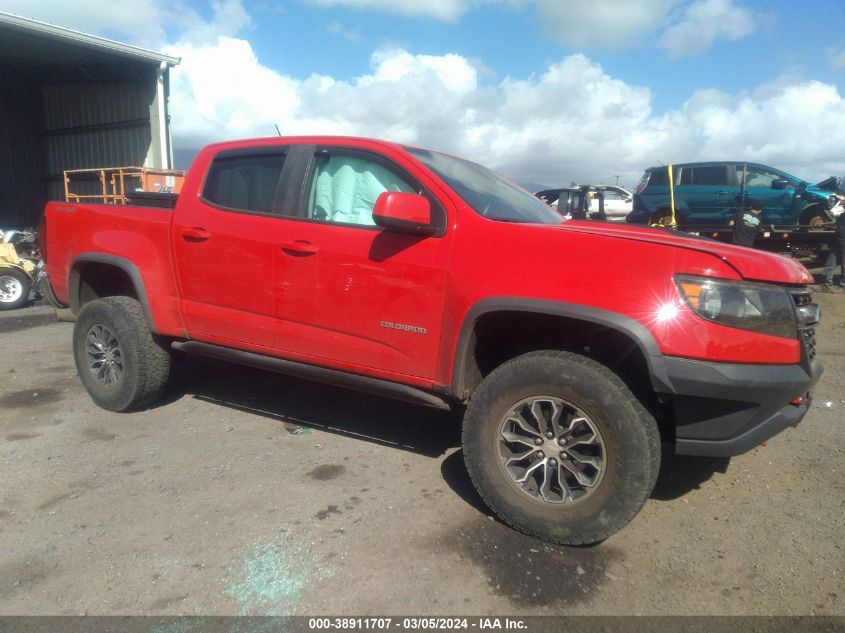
488, 194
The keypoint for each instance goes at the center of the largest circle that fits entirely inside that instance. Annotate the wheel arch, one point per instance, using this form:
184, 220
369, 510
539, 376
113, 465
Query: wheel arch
111, 275
467, 372
808, 210
15, 267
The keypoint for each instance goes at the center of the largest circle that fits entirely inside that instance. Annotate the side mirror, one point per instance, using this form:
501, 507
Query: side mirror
780, 183
402, 212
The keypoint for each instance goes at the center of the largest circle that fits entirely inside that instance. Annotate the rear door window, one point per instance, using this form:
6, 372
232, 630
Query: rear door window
246, 182
711, 176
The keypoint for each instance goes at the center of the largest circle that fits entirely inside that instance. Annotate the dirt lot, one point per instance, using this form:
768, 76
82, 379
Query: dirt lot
252, 493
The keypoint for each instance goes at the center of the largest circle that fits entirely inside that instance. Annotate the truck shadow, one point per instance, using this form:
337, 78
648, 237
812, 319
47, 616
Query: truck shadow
681, 474
301, 406
678, 476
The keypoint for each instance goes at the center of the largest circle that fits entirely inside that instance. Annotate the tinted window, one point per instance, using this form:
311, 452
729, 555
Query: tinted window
660, 176
246, 183
714, 176
344, 188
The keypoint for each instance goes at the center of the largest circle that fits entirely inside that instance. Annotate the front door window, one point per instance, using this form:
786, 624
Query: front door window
344, 189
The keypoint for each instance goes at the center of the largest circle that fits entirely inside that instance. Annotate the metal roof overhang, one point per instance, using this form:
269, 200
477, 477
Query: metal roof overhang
44, 52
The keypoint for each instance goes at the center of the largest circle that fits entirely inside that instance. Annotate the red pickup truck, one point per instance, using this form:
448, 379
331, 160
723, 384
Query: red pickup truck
577, 348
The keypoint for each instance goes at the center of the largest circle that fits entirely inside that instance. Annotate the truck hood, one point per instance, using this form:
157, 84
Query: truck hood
749, 263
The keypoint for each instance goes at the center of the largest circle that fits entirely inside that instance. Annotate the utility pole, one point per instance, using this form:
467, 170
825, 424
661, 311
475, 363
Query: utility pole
617, 176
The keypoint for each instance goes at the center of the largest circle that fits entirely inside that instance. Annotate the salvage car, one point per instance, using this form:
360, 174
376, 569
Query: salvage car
603, 202
709, 195
618, 201
19, 267
574, 348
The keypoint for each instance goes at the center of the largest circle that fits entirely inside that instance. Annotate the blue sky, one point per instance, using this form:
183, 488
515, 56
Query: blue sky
791, 39
546, 91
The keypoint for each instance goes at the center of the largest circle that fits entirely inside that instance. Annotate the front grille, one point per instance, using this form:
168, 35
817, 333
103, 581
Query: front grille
809, 335
807, 314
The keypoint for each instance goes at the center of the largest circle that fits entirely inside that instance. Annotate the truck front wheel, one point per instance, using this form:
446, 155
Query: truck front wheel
558, 447
120, 362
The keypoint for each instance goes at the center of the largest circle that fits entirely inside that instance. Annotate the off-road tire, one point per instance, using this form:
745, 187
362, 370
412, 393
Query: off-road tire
24, 283
630, 434
145, 361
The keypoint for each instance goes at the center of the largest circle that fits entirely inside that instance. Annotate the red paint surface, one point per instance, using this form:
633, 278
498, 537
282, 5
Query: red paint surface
321, 292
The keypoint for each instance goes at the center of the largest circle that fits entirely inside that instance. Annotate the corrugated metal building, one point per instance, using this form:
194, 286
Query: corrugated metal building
69, 100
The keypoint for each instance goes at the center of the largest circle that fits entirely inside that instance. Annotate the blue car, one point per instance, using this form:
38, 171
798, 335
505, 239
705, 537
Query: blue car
710, 194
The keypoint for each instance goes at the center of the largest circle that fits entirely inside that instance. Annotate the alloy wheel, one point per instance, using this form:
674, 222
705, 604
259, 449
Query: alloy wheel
104, 356
551, 450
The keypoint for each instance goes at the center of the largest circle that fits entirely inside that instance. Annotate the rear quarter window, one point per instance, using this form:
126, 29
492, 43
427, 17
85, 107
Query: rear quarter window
660, 176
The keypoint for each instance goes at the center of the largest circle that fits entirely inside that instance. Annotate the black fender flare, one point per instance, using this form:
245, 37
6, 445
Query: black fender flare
74, 278
613, 320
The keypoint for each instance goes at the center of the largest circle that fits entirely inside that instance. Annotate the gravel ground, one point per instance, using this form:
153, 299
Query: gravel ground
251, 493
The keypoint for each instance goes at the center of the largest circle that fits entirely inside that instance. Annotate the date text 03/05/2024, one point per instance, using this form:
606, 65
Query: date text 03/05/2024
415, 623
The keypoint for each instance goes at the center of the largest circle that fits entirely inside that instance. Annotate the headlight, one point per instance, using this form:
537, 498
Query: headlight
761, 308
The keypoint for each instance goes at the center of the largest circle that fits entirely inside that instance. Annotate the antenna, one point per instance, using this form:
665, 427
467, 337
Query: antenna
277, 129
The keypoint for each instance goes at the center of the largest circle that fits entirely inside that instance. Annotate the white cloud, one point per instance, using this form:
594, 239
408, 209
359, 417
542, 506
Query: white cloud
445, 10
570, 122
601, 23
221, 90
594, 24
146, 23
703, 22
97, 17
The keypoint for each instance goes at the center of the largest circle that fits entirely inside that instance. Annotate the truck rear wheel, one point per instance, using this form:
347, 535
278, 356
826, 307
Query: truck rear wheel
117, 357
559, 448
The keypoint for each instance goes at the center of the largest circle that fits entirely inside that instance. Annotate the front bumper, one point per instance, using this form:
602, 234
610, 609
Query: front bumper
724, 409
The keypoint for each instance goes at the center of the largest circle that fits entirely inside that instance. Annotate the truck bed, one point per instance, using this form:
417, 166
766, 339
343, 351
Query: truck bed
88, 234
